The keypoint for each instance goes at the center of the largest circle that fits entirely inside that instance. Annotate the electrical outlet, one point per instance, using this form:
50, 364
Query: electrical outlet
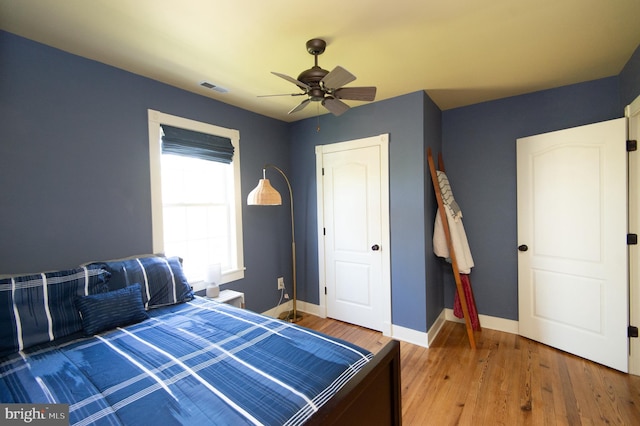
280, 283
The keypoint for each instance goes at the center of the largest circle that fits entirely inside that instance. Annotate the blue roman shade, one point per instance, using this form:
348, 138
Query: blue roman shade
190, 143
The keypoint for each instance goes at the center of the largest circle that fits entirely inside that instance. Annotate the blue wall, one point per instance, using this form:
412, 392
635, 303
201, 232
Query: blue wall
413, 122
74, 165
480, 154
74, 174
630, 79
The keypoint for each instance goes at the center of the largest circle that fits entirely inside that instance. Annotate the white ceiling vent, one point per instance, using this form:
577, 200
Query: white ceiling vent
212, 86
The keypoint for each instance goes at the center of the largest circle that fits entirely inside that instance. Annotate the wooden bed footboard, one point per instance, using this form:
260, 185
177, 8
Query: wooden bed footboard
373, 396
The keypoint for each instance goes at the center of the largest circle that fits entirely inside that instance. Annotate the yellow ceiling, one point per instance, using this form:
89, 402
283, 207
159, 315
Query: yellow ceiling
460, 51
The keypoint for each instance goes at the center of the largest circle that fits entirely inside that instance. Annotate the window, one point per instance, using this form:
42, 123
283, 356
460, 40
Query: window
196, 205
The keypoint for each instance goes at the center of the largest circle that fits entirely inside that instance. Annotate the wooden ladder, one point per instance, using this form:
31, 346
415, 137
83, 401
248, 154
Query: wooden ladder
452, 254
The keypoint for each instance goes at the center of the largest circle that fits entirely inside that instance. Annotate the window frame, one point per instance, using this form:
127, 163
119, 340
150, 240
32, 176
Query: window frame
156, 118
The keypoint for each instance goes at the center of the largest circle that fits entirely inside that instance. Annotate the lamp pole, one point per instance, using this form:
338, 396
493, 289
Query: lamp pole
294, 317
265, 194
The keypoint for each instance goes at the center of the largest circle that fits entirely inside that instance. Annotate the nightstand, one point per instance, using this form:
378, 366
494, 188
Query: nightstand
231, 297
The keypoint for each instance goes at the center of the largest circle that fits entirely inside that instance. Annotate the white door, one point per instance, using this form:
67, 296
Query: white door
632, 112
353, 231
572, 218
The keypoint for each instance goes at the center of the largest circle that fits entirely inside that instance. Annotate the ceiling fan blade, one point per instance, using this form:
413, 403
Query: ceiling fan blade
335, 106
337, 78
367, 93
292, 80
301, 106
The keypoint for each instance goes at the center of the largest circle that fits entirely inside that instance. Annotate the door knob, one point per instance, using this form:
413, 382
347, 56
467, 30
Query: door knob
523, 247
375, 247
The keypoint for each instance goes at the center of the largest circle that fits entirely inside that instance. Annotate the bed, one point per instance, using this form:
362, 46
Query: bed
127, 342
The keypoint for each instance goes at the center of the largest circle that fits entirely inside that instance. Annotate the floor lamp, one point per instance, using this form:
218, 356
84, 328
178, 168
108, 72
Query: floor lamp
265, 195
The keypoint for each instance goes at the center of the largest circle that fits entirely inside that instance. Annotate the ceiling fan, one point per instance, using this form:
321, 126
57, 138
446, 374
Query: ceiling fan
322, 86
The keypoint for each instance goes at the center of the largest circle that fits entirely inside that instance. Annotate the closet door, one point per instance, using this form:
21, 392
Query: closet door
572, 219
353, 220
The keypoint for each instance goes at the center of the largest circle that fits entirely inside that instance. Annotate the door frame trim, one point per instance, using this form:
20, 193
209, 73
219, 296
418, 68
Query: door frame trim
381, 141
633, 201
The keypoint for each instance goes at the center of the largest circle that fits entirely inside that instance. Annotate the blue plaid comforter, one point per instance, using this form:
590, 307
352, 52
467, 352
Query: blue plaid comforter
197, 363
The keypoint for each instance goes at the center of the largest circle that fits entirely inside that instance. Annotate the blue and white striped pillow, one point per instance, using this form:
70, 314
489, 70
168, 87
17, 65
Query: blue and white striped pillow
161, 278
105, 311
39, 308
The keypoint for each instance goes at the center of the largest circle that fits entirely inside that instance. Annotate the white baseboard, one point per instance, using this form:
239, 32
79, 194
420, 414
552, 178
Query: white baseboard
436, 327
409, 335
300, 306
312, 309
405, 334
492, 323
274, 312
426, 339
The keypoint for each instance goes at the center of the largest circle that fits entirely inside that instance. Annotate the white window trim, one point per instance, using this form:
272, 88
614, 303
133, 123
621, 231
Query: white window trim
155, 119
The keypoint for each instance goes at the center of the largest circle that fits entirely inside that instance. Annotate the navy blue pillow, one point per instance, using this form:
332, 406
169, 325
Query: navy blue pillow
106, 311
39, 308
161, 278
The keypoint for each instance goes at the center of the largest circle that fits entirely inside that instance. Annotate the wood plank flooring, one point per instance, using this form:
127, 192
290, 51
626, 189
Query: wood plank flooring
508, 380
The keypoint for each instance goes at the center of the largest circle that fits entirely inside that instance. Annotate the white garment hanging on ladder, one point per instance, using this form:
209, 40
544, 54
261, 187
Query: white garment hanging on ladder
456, 229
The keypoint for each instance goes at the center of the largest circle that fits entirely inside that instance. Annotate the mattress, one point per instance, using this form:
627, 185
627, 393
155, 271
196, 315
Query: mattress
200, 362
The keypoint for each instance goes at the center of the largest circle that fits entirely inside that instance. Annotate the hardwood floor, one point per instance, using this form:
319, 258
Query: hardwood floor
508, 380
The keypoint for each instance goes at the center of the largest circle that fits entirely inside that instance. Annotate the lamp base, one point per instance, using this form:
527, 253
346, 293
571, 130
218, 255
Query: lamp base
288, 316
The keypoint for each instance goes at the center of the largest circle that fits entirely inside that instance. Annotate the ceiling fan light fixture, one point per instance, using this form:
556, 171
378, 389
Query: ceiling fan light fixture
316, 94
